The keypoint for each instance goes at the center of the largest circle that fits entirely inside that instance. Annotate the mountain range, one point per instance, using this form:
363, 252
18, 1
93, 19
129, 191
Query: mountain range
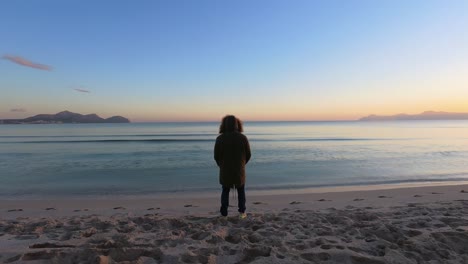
65, 117
427, 115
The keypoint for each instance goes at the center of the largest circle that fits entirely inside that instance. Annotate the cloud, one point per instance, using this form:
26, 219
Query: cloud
25, 62
20, 110
81, 90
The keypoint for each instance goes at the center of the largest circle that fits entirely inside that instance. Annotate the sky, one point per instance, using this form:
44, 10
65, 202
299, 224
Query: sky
185, 60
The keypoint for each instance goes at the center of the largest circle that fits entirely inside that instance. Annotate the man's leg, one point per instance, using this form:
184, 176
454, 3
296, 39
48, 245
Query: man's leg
241, 198
224, 201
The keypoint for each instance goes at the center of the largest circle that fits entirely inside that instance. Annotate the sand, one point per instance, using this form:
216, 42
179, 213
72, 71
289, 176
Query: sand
399, 225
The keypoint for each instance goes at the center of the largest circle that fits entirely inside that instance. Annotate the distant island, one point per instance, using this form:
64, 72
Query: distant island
65, 117
428, 115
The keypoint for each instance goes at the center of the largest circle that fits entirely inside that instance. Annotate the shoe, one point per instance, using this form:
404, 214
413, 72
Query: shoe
223, 212
242, 215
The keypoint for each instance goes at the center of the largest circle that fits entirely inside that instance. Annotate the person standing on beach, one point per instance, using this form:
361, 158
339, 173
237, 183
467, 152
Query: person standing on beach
232, 153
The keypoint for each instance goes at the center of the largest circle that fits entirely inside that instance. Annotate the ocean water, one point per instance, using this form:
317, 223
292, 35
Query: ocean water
153, 158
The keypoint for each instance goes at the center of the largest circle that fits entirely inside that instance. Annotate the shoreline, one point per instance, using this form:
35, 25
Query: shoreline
251, 191
204, 204
271, 190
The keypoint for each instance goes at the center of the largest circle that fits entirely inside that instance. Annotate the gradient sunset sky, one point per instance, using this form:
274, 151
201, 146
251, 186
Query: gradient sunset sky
260, 60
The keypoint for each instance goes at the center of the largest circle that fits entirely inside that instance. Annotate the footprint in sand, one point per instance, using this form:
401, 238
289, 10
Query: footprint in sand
436, 193
12, 259
119, 208
463, 191
50, 245
50, 208
383, 196
316, 257
79, 210
39, 255
15, 210
151, 214
295, 202
258, 203
323, 200
417, 195
189, 205
358, 199
326, 247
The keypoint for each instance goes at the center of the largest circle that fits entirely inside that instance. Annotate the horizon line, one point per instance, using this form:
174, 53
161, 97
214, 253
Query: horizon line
244, 121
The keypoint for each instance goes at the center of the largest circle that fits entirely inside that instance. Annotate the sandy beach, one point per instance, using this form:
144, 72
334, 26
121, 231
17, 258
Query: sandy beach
394, 224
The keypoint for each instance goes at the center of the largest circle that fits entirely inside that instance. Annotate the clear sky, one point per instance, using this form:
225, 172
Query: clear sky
184, 60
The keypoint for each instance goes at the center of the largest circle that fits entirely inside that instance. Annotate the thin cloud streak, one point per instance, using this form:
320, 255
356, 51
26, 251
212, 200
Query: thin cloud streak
18, 110
24, 62
81, 90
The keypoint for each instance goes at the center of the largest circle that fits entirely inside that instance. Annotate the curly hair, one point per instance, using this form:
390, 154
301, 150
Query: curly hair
230, 123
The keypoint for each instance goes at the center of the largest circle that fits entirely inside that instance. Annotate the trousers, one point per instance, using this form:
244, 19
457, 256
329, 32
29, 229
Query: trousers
240, 199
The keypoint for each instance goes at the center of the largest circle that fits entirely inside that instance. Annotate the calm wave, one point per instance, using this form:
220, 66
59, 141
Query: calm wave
103, 159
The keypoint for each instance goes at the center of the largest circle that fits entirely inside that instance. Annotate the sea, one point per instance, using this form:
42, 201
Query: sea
157, 158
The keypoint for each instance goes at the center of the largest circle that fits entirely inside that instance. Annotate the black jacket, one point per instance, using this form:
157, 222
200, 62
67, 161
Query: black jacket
232, 152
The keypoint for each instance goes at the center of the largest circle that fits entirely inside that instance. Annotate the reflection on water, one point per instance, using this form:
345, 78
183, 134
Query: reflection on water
166, 157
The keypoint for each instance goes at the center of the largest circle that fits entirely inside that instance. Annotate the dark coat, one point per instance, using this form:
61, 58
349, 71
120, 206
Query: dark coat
232, 152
